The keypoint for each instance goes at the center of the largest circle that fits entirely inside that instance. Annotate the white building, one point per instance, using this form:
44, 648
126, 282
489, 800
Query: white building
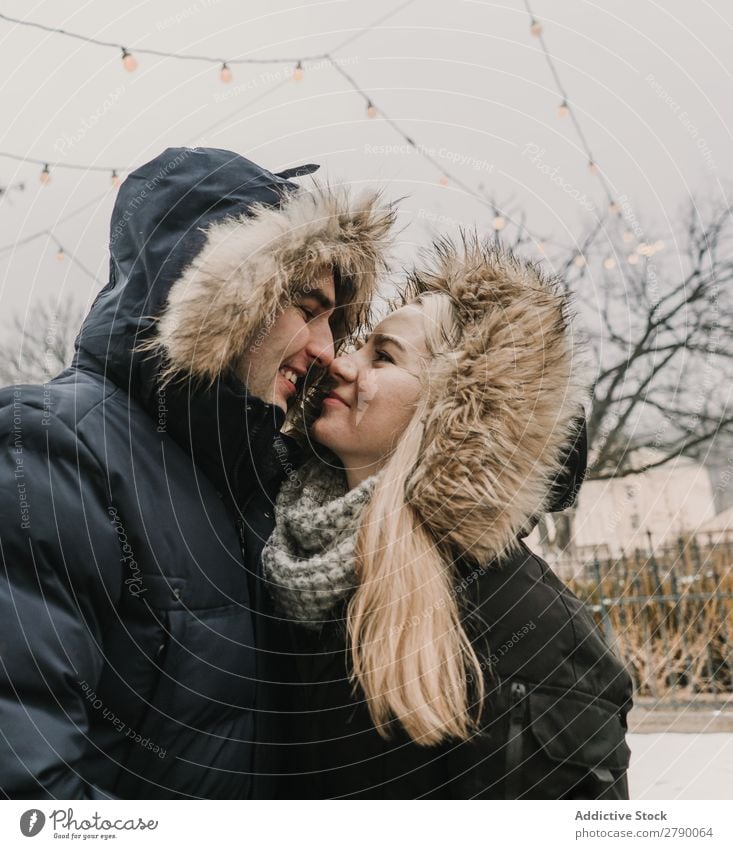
616, 516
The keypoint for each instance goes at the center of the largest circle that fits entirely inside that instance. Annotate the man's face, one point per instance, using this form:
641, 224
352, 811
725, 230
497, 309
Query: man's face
299, 338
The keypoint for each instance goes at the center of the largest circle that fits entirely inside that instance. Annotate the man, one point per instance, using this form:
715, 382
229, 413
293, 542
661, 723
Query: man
127, 648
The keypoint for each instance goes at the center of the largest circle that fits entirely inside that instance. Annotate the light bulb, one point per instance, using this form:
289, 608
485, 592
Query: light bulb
45, 176
443, 180
225, 74
633, 259
613, 207
298, 73
541, 247
658, 245
499, 222
563, 110
628, 236
609, 262
129, 62
115, 180
60, 255
579, 260
371, 110
593, 167
535, 28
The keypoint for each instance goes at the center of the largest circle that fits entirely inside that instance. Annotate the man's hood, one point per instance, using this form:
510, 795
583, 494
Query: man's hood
502, 437
205, 246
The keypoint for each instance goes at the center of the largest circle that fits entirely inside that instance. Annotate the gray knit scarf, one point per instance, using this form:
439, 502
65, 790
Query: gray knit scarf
308, 562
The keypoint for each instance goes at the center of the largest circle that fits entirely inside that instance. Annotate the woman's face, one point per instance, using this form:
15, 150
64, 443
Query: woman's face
376, 390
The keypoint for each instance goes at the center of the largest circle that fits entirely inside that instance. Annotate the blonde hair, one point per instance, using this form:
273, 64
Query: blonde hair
410, 653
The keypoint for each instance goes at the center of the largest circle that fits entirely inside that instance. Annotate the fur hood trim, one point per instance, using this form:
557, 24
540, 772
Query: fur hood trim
251, 265
500, 405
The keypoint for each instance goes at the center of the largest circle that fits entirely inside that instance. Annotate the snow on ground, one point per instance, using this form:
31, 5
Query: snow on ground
681, 766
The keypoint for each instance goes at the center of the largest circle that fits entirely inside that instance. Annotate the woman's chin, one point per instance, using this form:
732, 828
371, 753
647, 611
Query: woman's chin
320, 431
323, 432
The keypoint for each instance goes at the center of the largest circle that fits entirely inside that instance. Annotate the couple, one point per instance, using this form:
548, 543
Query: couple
194, 603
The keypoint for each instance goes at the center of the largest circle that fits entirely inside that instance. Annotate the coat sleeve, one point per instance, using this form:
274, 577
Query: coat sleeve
60, 568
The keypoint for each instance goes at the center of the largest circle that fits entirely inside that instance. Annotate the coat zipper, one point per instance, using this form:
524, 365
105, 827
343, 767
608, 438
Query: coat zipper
513, 784
242, 539
150, 700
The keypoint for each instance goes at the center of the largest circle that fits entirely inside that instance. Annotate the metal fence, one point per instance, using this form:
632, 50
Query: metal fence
667, 612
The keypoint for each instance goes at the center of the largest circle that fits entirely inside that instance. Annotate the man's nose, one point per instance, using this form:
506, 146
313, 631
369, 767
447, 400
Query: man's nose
320, 343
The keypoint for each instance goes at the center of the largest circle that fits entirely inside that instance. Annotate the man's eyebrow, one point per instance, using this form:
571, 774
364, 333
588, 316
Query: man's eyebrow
381, 338
321, 297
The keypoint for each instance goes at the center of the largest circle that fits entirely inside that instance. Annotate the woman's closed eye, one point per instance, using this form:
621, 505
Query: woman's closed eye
381, 356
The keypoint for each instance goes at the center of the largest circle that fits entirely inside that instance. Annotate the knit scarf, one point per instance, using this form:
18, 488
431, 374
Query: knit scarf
308, 562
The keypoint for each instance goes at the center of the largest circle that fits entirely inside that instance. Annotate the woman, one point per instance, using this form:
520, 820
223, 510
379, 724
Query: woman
440, 657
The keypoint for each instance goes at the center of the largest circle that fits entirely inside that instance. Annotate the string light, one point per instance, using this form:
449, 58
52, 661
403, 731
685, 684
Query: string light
564, 109
46, 170
499, 222
115, 180
628, 236
579, 260
131, 65
61, 252
98, 168
609, 262
633, 259
613, 207
658, 245
129, 62
443, 180
593, 168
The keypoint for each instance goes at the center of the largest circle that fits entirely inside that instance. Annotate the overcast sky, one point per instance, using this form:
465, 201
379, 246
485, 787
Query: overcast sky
650, 83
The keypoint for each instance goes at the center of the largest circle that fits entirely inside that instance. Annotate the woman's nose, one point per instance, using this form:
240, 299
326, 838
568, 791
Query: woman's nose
343, 368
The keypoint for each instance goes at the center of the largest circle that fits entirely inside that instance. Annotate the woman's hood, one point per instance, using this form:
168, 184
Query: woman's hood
502, 406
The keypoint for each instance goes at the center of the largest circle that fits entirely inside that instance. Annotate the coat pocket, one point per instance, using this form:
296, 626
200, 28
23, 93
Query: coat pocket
565, 744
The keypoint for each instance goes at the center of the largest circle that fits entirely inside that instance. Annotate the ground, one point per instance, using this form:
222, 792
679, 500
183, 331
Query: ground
681, 766
681, 751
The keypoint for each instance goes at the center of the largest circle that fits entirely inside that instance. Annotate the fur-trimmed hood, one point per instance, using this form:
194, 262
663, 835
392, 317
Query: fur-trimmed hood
253, 264
206, 246
502, 405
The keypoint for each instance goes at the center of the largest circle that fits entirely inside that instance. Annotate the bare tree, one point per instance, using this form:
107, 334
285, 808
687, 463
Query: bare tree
40, 345
662, 342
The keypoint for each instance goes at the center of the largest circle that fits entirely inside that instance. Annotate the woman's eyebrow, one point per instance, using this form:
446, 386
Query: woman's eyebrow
381, 338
